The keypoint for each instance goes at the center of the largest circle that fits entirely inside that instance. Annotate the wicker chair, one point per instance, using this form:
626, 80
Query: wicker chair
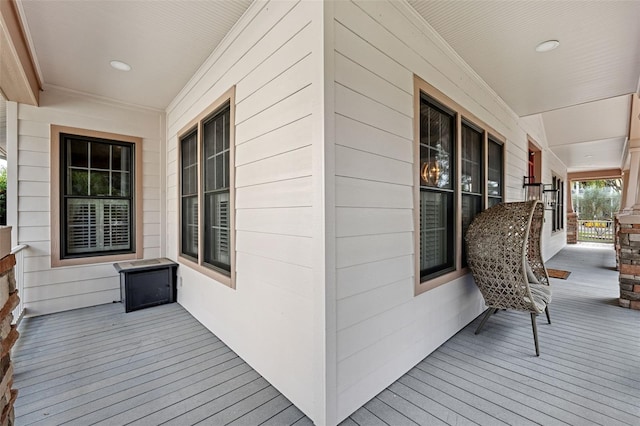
503, 253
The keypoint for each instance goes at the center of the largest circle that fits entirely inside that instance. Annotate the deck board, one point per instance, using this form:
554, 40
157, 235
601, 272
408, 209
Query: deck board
160, 366
101, 366
587, 372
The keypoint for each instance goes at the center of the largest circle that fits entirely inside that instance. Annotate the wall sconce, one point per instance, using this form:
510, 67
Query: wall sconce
533, 189
550, 196
430, 172
544, 192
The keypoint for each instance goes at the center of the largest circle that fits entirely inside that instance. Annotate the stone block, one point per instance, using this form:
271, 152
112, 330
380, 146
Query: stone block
624, 239
635, 305
626, 268
636, 288
627, 276
626, 287
5, 326
7, 263
4, 289
628, 281
634, 237
624, 303
629, 295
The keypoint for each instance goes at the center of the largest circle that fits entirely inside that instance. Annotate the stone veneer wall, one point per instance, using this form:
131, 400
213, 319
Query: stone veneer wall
572, 228
8, 336
629, 242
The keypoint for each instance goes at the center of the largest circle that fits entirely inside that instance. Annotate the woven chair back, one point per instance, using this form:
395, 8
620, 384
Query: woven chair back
501, 241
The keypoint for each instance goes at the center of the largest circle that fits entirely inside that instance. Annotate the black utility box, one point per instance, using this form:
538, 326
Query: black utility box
148, 282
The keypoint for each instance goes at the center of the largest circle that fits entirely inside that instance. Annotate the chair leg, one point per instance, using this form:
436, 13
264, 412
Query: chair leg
535, 332
546, 311
489, 312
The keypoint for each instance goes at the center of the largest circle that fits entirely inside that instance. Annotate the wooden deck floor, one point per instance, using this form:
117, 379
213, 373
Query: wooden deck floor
155, 366
588, 371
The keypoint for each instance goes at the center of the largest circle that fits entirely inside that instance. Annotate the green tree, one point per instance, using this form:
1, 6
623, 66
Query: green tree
599, 199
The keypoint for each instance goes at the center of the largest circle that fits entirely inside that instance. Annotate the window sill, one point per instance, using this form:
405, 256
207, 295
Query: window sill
422, 287
58, 263
210, 273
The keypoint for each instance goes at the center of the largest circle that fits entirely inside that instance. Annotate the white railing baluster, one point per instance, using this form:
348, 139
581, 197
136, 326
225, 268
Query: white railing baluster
19, 311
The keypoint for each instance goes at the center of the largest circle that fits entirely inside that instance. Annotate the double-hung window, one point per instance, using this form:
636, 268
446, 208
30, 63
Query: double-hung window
207, 192
95, 213
459, 173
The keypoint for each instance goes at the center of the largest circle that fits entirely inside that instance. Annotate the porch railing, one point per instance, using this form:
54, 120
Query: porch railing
601, 231
19, 311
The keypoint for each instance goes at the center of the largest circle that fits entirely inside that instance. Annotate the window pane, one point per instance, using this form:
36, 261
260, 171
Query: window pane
115, 224
494, 201
121, 157
471, 206
82, 226
78, 182
217, 234
216, 148
188, 152
78, 153
436, 147
190, 226
100, 155
471, 179
495, 169
99, 184
436, 231
97, 225
120, 184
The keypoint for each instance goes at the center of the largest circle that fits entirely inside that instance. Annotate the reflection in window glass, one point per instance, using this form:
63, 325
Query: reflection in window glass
437, 219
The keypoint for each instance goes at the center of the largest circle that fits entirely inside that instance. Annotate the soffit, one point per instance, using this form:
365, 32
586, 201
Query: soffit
164, 41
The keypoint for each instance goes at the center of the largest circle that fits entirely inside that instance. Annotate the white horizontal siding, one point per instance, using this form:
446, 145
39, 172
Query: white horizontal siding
274, 60
49, 289
383, 330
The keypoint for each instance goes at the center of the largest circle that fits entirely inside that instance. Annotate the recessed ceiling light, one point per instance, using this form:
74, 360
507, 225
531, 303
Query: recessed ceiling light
547, 46
588, 156
120, 66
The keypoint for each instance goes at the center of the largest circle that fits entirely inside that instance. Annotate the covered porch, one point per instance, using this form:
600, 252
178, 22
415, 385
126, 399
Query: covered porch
100, 366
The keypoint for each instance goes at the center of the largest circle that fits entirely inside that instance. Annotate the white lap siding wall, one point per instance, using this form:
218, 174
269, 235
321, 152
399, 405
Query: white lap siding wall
57, 289
273, 318
382, 328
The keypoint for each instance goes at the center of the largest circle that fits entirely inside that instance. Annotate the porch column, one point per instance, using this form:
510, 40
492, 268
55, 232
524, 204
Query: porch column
629, 217
572, 217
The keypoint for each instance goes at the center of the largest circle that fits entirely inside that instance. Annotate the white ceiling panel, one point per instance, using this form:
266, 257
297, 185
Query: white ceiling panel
592, 155
605, 119
598, 57
164, 42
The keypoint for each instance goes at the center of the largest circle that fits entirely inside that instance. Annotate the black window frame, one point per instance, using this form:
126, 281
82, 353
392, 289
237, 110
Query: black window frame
490, 140
215, 253
65, 139
557, 209
449, 194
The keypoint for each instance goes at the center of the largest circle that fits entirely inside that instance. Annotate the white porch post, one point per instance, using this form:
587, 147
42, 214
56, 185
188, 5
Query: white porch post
12, 169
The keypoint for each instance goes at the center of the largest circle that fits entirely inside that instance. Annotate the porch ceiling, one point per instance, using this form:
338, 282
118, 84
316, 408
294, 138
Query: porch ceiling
577, 87
164, 42
589, 76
